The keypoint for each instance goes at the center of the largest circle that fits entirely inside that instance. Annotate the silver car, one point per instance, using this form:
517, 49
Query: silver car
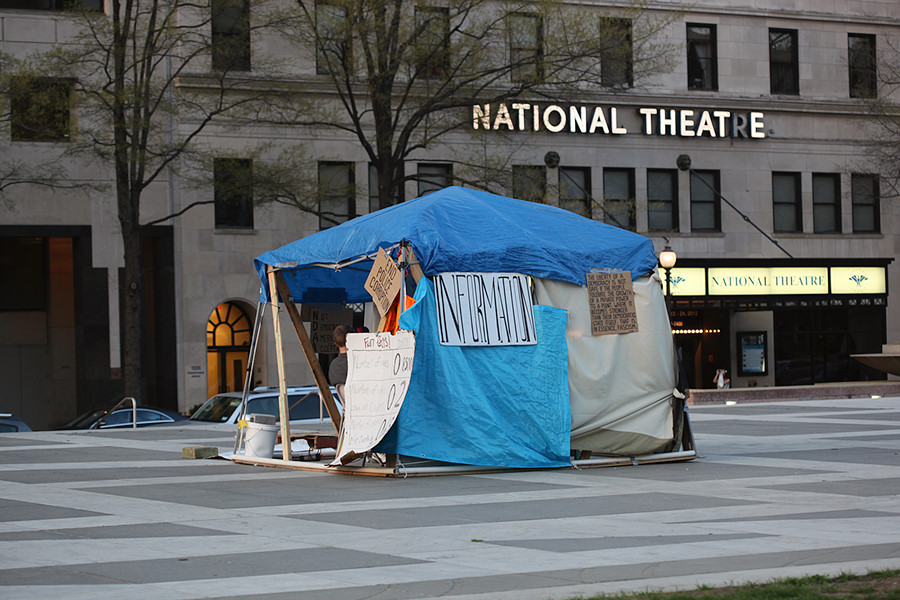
306, 408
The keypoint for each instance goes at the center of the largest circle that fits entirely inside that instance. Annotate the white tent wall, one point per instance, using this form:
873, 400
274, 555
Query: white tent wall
620, 386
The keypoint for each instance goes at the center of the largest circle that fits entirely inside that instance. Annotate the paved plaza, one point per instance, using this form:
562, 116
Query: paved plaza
782, 489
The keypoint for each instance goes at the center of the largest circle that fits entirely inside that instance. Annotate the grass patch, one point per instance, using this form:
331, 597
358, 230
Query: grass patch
876, 585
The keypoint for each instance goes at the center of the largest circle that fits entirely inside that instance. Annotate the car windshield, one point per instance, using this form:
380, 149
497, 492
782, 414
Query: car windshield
217, 409
84, 421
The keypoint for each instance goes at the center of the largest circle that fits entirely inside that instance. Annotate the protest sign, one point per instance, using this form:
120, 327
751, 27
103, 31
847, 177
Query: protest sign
383, 282
611, 299
379, 366
484, 309
321, 327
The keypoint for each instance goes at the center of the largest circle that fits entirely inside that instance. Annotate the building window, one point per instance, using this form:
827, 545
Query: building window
783, 61
861, 65
52, 4
334, 52
231, 35
374, 201
618, 198
432, 41
39, 109
787, 210
23, 271
701, 57
337, 193
433, 177
529, 182
826, 202
662, 199
705, 205
864, 191
526, 47
233, 190
574, 186
616, 59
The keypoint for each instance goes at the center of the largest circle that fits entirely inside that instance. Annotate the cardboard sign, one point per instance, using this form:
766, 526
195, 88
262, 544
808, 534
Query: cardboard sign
378, 369
321, 327
611, 298
383, 282
484, 309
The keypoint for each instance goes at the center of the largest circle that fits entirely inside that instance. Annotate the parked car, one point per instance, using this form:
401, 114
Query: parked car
306, 408
10, 423
123, 417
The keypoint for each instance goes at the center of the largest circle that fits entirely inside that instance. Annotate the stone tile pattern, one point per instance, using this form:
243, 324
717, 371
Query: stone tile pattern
781, 489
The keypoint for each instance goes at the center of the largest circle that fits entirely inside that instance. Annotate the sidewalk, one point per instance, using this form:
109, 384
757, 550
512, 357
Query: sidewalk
782, 489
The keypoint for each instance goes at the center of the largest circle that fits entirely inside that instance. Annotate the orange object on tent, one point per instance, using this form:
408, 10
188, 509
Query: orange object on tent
389, 322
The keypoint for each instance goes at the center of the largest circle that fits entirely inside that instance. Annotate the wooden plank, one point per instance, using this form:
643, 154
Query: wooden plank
283, 411
308, 351
415, 269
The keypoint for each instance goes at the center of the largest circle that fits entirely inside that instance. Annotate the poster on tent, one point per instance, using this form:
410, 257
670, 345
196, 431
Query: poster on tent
383, 282
379, 366
611, 301
484, 309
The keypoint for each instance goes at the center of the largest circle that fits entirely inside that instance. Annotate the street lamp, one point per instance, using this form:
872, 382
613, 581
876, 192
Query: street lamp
667, 260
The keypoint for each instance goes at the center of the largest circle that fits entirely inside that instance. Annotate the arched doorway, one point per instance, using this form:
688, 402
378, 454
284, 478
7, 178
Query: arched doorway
228, 333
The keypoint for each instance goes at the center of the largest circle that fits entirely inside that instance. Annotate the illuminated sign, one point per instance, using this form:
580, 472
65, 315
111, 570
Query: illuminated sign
758, 281
858, 280
606, 120
687, 281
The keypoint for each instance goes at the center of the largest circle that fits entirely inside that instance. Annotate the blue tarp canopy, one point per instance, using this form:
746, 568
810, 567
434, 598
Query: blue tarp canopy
493, 406
458, 229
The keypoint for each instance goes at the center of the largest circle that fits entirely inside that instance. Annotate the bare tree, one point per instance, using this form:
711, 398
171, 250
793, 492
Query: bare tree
147, 80
884, 114
406, 74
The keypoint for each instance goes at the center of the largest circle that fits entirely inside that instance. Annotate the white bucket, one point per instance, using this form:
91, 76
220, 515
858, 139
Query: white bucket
260, 440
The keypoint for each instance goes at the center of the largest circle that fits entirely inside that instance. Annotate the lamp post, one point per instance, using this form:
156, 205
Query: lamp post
667, 260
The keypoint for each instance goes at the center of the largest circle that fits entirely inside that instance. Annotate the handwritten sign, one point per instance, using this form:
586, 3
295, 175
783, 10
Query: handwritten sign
321, 327
378, 369
383, 282
484, 309
611, 298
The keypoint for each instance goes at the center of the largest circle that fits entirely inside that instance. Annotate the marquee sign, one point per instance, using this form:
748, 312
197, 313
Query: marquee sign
606, 120
776, 281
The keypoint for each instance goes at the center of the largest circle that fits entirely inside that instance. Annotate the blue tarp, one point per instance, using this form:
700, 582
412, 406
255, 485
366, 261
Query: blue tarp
505, 406
458, 229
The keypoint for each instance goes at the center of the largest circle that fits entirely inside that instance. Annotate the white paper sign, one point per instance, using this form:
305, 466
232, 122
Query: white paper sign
378, 369
484, 309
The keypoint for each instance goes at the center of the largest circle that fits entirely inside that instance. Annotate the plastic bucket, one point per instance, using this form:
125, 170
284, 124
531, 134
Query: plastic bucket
260, 440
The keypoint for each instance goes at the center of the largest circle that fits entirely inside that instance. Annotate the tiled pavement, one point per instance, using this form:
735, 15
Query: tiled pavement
782, 489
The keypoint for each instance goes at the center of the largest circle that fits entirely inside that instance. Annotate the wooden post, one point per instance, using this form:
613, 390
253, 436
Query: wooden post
282, 386
414, 268
321, 380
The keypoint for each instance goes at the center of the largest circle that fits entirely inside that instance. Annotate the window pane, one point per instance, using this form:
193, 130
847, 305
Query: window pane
574, 183
39, 109
433, 41
333, 49
826, 203
530, 182
786, 202
616, 53
701, 57
526, 52
865, 192
662, 200
618, 197
783, 59
231, 35
233, 191
704, 201
862, 65
433, 177
337, 193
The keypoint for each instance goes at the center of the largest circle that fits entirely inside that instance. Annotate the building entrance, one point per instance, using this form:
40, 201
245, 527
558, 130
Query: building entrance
228, 334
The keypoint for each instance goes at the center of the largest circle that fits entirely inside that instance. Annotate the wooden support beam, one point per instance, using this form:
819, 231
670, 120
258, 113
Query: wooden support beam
415, 269
283, 410
321, 380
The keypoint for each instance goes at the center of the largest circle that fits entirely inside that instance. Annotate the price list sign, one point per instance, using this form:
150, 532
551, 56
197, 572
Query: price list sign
379, 366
